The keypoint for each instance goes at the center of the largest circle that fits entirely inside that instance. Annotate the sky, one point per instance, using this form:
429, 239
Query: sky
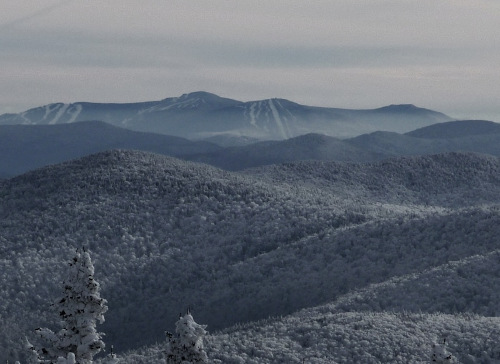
441, 55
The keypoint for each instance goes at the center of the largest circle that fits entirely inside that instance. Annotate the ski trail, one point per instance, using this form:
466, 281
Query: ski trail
26, 120
74, 112
48, 109
60, 113
277, 118
253, 120
288, 111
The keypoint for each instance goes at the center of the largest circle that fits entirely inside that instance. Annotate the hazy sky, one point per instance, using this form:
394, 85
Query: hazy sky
443, 55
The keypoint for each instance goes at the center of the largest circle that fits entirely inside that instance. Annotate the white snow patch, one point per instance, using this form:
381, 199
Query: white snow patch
183, 104
253, 120
49, 109
26, 120
74, 111
288, 111
127, 120
59, 113
277, 118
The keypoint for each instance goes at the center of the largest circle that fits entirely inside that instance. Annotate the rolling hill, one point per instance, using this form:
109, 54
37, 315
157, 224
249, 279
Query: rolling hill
166, 234
305, 147
457, 136
27, 147
456, 129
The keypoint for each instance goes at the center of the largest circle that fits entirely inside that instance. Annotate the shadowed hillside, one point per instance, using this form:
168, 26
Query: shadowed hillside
166, 234
27, 147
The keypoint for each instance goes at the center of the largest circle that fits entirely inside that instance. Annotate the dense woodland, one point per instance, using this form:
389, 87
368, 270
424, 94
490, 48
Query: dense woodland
301, 262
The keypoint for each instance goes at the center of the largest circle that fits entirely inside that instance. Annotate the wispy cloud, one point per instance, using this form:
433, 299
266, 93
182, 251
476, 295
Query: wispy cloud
347, 53
37, 14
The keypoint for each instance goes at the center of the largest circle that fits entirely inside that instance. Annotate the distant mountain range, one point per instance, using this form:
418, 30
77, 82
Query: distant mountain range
27, 147
201, 115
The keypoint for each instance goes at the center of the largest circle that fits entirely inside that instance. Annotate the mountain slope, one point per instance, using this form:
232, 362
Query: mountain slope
305, 147
166, 234
447, 180
395, 321
321, 337
27, 147
466, 285
143, 216
456, 136
456, 129
201, 115
460, 136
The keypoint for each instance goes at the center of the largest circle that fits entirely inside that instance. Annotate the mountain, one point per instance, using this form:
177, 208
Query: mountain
390, 144
305, 147
27, 147
456, 129
229, 140
470, 136
167, 234
467, 136
200, 115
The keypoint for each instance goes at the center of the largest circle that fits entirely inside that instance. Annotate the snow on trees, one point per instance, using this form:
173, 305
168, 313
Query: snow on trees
187, 346
80, 307
440, 354
111, 358
69, 360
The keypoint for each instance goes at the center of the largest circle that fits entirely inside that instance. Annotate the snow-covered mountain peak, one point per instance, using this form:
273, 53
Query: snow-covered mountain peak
199, 100
56, 113
202, 114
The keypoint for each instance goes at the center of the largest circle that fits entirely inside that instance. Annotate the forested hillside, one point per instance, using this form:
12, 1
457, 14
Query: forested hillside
236, 247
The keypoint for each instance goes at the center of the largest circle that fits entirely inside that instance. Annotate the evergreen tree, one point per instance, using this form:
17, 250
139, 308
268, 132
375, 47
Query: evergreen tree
440, 354
112, 358
69, 360
187, 346
79, 309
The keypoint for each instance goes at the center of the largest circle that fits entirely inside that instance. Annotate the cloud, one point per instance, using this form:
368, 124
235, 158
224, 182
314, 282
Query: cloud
37, 14
347, 53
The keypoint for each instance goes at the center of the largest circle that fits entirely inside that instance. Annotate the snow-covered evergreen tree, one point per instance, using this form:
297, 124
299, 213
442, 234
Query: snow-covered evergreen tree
69, 360
187, 346
440, 355
79, 309
111, 358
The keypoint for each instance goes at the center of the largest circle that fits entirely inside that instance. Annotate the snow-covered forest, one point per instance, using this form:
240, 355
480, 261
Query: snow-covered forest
302, 262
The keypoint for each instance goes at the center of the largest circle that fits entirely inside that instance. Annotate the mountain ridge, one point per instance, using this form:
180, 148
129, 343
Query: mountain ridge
26, 147
456, 129
201, 114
